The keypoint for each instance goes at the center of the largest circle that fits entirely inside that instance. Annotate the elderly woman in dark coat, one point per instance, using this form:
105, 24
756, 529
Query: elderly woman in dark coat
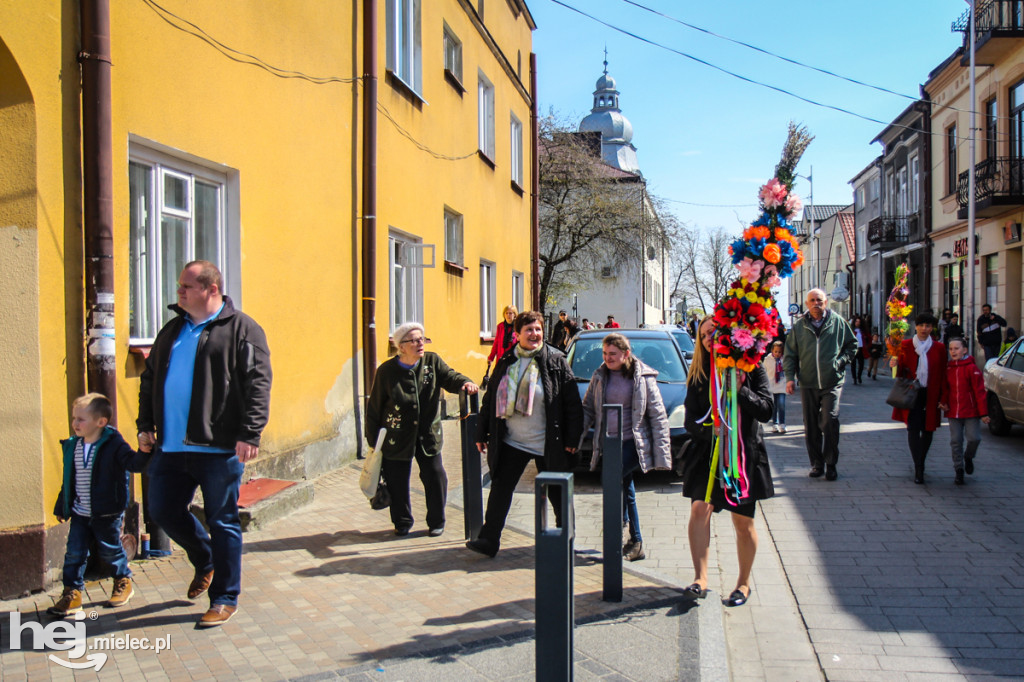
405, 401
755, 403
532, 412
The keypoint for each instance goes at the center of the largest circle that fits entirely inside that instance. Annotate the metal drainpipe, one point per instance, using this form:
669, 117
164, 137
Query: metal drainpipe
369, 236
534, 186
98, 204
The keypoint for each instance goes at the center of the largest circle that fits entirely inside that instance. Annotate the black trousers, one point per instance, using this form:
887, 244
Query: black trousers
511, 465
435, 486
821, 424
857, 368
918, 437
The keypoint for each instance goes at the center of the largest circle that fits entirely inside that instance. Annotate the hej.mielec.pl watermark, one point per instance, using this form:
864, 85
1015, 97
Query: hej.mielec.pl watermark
65, 635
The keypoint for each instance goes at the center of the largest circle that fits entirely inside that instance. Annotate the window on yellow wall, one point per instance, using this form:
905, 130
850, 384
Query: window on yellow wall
179, 212
517, 291
516, 162
488, 300
452, 54
406, 279
485, 115
404, 46
453, 236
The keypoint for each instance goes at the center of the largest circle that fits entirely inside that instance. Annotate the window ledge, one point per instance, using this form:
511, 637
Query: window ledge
486, 340
454, 81
399, 84
486, 159
454, 268
142, 349
517, 188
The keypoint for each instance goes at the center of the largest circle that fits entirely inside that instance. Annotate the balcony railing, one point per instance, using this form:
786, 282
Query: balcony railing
892, 229
997, 182
992, 19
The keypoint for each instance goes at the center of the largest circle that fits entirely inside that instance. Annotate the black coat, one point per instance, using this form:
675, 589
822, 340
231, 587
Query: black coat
563, 410
756, 404
108, 483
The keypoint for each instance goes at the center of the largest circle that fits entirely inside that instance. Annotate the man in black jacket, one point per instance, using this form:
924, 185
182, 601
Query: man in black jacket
205, 399
990, 334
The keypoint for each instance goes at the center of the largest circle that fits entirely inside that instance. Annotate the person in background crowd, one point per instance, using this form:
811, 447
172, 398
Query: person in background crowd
755, 403
963, 400
1011, 338
586, 324
533, 413
953, 329
990, 336
875, 353
611, 323
563, 331
205, 394
819, 347
504, 335
947, 314
692, 326
923, 359
857, 367
773, 369
622, 379
406, 401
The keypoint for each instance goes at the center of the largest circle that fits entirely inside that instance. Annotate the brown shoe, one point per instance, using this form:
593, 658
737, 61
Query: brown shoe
70, 602
217, 615
200, 583
121, 593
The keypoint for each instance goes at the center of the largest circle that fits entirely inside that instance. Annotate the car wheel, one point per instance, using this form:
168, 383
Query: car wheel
998, 424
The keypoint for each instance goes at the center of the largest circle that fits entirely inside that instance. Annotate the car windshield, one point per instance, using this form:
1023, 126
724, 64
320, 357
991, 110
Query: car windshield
684, 341
586, 356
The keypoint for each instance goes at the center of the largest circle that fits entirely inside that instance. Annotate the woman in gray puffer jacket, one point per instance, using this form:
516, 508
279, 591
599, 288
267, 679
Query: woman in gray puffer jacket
623, 380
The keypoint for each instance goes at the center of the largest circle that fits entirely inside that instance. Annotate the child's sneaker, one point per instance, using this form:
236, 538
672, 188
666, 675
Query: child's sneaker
121, 593
70, 602
775, 428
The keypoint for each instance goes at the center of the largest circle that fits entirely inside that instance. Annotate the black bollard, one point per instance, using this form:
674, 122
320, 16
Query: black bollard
472, 479
553, 575
611, 484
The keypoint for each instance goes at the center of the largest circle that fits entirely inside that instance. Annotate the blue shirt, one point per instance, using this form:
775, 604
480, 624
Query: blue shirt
178, 388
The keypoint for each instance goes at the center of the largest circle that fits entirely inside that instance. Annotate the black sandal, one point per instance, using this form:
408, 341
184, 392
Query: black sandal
737, 598
694, 591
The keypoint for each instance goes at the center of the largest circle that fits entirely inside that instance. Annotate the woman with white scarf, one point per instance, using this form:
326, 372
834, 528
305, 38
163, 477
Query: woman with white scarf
922, 358
534, 412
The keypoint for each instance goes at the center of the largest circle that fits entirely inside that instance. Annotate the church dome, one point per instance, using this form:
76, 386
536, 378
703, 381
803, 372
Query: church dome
616, 131
605, 82
611, 124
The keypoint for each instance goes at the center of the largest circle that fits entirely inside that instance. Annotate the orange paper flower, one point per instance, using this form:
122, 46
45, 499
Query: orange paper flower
771, 253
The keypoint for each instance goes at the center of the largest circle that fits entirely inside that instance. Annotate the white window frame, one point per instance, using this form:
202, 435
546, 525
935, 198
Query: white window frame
485, 115
404, 43
405, 279
488, 299
915, 181
516, 133
147, 276
518, 290
454, 232
452, 53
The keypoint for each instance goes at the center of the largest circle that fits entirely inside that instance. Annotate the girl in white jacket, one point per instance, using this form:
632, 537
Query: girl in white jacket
772, 364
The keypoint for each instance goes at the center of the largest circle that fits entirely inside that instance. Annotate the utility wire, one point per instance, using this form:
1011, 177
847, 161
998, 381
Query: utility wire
419, 145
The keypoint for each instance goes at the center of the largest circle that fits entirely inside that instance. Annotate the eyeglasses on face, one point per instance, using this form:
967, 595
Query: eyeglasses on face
417, 341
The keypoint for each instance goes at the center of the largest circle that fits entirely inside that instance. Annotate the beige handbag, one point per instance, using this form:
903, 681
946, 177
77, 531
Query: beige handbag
370, 476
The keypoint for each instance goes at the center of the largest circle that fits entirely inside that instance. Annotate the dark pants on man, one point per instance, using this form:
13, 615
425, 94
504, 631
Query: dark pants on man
821, 424
511, 465
991, 351
173, 479
435, 488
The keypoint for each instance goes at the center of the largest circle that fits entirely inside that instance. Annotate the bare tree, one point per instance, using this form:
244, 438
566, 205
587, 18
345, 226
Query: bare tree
591, 214
702, 267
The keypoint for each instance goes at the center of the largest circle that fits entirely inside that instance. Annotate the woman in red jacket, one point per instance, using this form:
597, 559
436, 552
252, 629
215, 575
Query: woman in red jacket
963, 400
504, 335
923, 358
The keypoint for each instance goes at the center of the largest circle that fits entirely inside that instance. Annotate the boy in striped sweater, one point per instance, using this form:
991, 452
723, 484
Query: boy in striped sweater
93, 498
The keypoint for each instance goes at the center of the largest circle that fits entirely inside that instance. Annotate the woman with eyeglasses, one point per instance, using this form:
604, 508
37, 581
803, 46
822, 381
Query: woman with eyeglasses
405, 401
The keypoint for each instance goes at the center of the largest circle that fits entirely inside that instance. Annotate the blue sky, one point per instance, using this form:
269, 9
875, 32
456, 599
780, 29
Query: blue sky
707, 138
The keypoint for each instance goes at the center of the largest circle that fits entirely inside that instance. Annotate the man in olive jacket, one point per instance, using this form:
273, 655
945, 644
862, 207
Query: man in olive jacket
818, 349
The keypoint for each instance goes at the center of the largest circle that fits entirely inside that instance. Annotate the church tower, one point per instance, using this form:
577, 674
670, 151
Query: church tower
616, 131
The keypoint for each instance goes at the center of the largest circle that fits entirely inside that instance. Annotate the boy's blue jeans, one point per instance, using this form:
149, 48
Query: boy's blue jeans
173, 479
779, 413
106, 530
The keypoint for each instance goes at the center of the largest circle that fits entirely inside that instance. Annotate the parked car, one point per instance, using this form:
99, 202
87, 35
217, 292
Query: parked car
1004, 383
656, 348
680, 335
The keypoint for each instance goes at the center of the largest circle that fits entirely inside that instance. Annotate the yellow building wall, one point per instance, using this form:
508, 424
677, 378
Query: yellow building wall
414, 187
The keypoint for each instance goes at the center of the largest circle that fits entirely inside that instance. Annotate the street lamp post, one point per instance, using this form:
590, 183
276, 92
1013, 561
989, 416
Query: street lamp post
812, 233
969, 322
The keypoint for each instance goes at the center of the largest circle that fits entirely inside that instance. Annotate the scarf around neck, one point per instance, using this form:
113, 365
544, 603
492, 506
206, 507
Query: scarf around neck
516, 389
921, 347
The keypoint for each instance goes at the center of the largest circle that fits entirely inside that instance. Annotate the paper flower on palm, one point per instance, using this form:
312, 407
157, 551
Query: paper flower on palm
766, 253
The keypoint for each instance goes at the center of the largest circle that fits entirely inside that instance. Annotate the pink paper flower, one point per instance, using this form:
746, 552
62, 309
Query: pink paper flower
755, 270
773, 193
742, 338
793, 204
773, 281
745, 267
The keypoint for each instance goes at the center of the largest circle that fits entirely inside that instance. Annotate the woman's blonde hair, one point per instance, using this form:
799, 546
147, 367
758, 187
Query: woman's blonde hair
697, 372
509, 309
622, 343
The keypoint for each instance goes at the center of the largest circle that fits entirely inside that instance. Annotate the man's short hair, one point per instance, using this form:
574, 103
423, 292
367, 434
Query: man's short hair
527, 317
986, 305
562, 312
611, 317
925, 318
96, 404
208, 275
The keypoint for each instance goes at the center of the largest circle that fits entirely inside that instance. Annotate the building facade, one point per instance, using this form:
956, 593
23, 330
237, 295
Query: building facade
237, 135
867, 206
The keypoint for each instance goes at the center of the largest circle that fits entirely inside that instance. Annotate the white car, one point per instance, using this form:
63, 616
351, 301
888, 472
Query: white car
1004, 383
